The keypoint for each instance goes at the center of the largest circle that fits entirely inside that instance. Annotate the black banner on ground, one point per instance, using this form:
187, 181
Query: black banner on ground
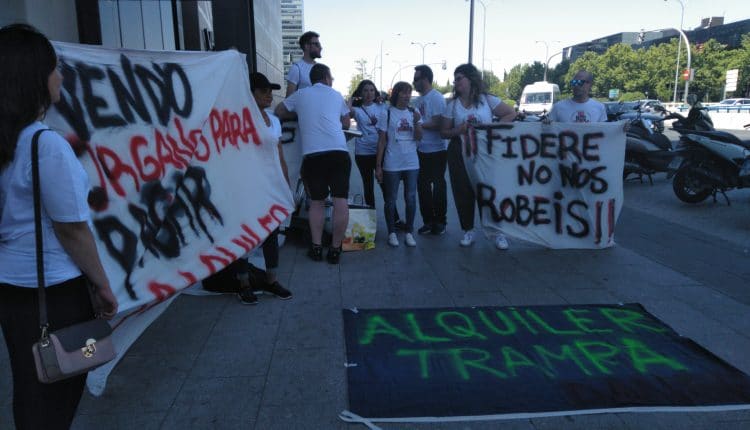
534, 360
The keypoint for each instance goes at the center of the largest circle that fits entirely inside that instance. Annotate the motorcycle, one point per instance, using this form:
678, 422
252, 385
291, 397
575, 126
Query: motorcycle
709, 161
647, 149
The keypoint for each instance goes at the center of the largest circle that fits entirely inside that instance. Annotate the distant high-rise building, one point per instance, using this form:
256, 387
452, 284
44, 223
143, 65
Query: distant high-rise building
292, 27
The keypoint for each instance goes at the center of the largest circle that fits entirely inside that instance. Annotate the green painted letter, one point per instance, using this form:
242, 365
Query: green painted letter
642, 356
378, 325
424, 371
466, 329
583, 322
417, 331
626, 318
463, 362
601, 357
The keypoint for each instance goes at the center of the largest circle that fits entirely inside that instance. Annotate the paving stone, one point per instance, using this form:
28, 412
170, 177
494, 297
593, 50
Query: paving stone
235, 353
302, 416
119, 421
143, 383
216, 403
588, 422
304, 376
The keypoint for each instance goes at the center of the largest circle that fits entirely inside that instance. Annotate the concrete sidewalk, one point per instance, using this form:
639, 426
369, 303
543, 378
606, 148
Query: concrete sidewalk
213, 363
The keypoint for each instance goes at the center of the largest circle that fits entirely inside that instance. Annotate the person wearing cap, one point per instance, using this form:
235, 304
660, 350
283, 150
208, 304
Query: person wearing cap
322, 113
262, 90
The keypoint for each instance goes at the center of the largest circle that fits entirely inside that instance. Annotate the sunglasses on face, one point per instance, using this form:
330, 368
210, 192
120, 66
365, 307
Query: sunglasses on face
578, 82
315, 44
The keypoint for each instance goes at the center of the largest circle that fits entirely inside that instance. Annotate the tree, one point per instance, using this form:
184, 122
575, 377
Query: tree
354, 82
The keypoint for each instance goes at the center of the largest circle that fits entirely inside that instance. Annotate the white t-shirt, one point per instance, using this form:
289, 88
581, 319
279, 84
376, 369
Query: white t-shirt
299, 74
479, 114
319, 110
571, 111
401, 148
64, 190
367, 119
429, 105
275, 124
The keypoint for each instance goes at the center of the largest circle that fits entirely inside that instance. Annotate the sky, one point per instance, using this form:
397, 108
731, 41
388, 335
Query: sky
517, 32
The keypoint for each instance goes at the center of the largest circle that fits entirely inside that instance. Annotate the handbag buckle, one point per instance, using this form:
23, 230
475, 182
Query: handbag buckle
90, 349
44, 341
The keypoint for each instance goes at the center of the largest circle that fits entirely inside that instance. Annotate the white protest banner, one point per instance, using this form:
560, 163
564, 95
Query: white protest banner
558, 185
184, 173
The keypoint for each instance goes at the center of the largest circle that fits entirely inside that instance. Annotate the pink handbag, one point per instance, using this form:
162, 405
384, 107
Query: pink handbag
75, 349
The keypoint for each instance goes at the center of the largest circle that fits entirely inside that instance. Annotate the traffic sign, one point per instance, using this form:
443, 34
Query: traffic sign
732, 78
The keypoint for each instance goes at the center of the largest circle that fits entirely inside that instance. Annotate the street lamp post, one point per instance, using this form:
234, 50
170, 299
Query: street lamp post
687, 44
381, 59
679, 48
471, 29
398, 72
423, 46
484, 31
546, 66
546, 55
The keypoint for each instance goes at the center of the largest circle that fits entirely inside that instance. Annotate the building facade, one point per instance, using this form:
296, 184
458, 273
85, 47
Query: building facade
710, 28
292, 27
251, 27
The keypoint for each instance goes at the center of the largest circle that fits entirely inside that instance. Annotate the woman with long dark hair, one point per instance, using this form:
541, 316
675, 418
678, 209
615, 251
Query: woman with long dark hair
471, 104
29, 83
399, 128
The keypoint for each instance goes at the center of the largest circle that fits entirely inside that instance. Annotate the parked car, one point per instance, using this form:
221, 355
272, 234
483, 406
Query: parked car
735, 103
648, 105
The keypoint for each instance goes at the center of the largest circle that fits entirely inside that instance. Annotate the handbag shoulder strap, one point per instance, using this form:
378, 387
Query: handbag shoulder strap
43, 323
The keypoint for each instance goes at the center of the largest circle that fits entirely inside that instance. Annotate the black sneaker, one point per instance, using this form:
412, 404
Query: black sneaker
315, 252
334, 254
438, 229
277, 290
247, 297
400, 225
425, 229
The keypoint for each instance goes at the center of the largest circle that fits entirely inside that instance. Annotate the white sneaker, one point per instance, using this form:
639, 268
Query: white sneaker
501, 242
468, 238
393, 240
409, 239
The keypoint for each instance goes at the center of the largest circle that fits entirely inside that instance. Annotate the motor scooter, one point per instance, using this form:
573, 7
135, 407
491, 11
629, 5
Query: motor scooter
708, 161
647, 149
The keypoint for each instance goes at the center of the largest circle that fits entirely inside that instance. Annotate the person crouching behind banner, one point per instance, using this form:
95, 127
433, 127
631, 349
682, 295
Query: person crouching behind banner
399, 129
322, 113
470, 105
262, 90
366, 108
29, 83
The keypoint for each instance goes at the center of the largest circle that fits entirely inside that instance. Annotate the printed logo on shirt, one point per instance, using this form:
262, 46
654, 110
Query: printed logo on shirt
404, 125
580, 116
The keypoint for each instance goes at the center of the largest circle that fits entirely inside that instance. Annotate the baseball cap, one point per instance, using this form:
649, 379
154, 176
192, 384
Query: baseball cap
260, 81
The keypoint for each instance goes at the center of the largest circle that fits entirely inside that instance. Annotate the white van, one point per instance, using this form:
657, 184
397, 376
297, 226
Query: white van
538, 97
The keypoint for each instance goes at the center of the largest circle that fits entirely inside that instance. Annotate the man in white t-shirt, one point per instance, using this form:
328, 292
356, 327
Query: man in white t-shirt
299, 73
431, 186
322, 113
580, 108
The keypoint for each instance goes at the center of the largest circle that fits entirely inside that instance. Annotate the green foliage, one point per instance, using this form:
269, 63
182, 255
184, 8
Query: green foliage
447, 88
649, 73
636, 73
354, 82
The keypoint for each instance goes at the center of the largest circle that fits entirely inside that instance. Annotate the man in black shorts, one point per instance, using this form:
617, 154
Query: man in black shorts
322, 115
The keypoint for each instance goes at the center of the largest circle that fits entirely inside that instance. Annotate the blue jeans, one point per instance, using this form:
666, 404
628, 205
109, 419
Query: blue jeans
391, 182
